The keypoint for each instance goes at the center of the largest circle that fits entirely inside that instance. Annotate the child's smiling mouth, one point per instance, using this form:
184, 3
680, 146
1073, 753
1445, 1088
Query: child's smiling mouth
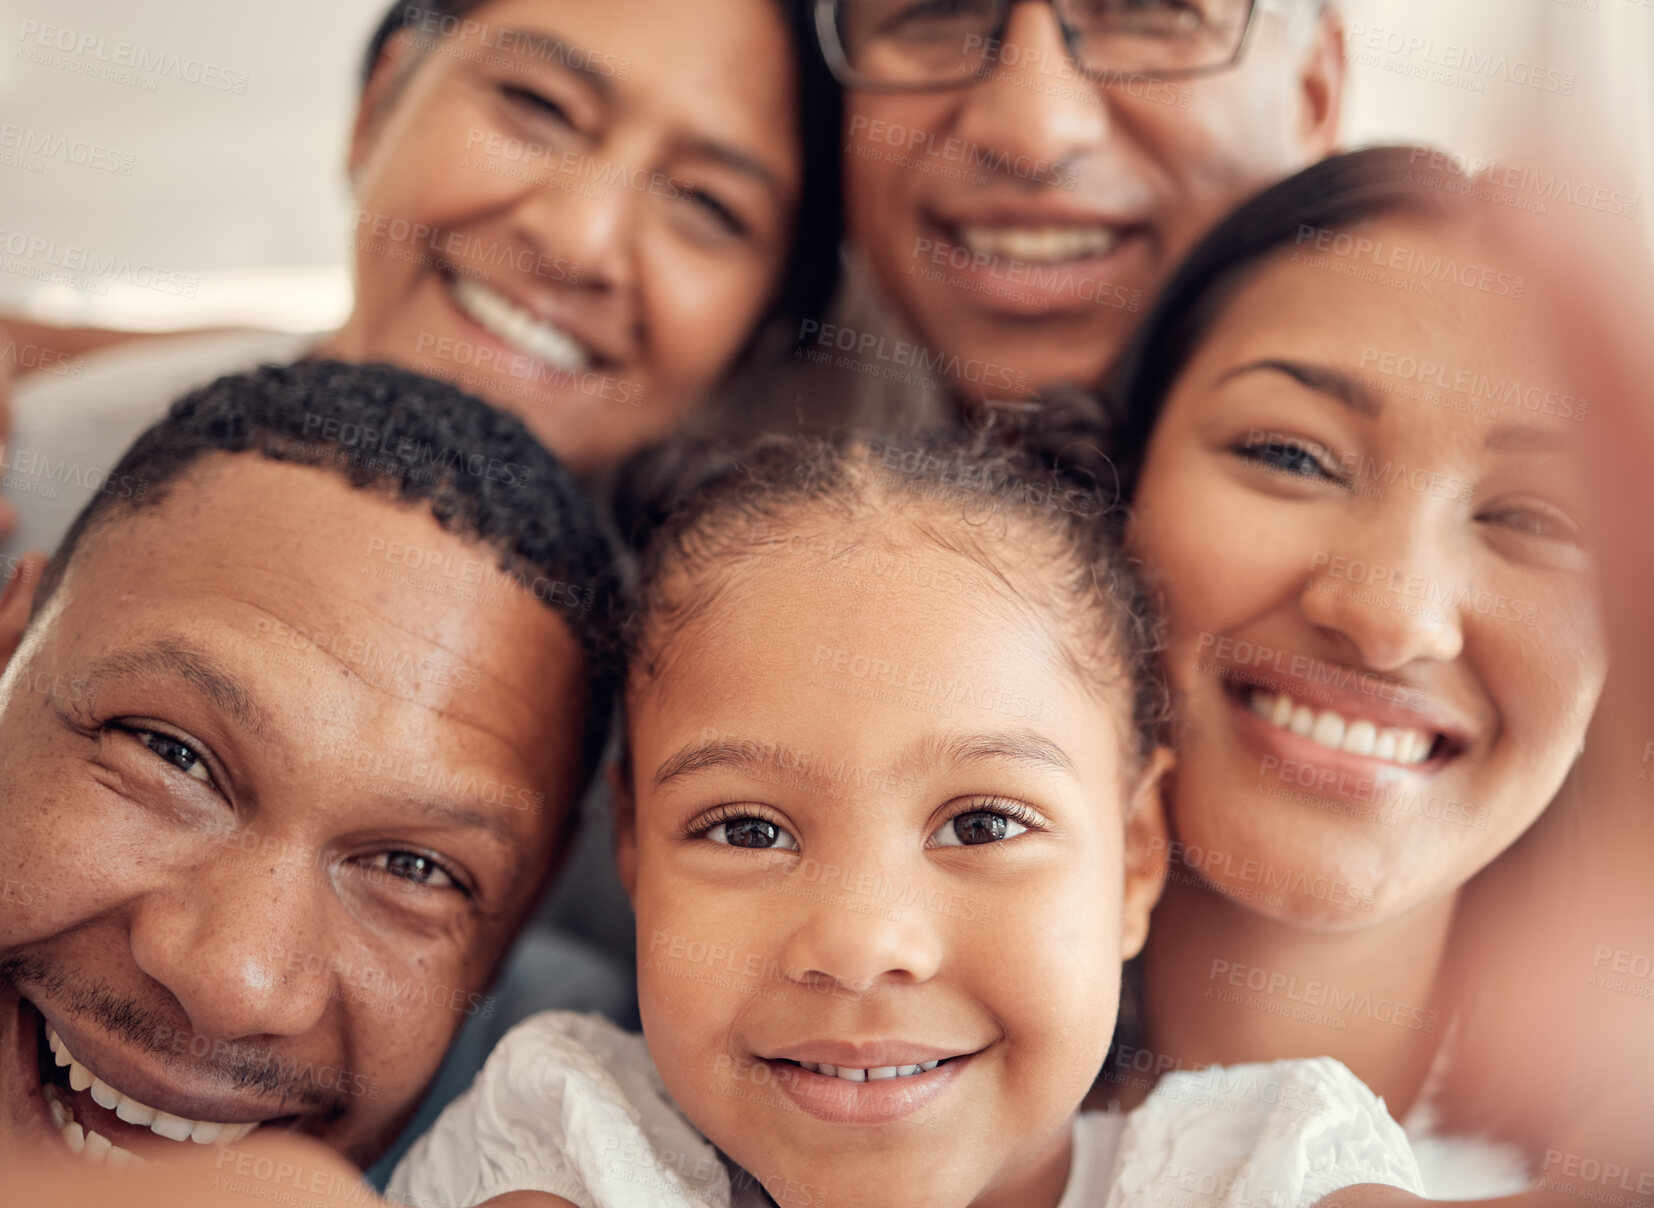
897, 1081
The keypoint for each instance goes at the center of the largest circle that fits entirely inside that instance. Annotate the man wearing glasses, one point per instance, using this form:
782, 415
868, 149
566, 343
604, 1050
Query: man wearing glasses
1021, 176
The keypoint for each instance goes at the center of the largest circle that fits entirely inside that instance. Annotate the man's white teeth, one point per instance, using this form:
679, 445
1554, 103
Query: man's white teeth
93, 1146
165, 1124
1397, 744
870, 1074
1048, 243
515, 326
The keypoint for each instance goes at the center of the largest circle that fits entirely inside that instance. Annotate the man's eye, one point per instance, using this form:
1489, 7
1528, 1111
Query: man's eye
976, 827
179, 754
748, 831
413, 867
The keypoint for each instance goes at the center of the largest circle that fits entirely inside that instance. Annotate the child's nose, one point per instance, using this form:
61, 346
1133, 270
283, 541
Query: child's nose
856, 942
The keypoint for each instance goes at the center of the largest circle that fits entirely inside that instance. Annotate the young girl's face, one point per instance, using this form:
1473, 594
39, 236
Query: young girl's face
577, 211
1384, 635
881, 826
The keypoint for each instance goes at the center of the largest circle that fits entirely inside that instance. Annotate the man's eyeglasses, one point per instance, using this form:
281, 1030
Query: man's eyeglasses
919, 45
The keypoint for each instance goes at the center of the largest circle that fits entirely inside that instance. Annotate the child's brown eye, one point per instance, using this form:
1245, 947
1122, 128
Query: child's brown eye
751, 832
976, 827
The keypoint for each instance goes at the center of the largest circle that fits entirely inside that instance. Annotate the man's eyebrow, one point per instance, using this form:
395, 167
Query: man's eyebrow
177, 658
1323, 379
443, 811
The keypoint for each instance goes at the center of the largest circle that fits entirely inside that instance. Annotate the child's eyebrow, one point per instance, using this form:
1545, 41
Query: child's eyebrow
936, 750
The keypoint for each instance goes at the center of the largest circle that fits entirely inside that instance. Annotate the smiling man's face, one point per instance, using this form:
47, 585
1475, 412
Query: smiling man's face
270, 811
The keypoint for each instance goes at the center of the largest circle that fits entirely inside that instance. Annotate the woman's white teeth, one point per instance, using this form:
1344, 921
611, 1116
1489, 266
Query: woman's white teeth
516, 327
1048, 243
165, 1124
870, 1074
1398, 744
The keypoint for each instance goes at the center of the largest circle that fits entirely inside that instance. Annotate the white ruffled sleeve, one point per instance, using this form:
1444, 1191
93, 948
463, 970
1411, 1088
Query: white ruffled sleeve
1279, 1135
567, 1104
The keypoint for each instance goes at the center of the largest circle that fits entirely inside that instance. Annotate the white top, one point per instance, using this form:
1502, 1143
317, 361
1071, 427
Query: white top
571, 1105
1457, 1167
69, 430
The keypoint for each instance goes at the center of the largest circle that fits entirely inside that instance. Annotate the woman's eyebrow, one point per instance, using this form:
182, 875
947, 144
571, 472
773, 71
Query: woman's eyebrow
1323, 379
180, 659
540, 47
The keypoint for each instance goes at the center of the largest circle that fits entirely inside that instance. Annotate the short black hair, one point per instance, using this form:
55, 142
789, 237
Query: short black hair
812, 271
413, 441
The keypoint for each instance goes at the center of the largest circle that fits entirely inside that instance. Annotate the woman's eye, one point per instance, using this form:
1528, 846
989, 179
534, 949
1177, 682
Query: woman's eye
539, 104
717, 210
976, 827
414, 868
751, 832
179, 754
1535, 522
1289, 457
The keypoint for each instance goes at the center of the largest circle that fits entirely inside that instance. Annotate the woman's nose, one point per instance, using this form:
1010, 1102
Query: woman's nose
1392, 589
580, 222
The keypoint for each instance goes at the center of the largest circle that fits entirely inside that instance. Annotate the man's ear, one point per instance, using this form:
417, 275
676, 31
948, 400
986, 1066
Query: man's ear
389, 76
623, 819
17, 602
1323, 71
1146, 849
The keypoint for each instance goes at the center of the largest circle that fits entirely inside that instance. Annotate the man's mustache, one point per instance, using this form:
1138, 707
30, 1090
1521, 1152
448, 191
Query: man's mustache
236, 1064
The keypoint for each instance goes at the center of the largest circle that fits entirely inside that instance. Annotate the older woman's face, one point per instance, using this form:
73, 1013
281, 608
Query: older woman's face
1383, 628
577, 211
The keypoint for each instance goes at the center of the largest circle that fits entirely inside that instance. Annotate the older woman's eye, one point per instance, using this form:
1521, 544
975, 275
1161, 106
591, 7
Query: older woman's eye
1530, 521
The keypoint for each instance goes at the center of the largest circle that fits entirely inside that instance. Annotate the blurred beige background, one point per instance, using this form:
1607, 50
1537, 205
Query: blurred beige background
224, 168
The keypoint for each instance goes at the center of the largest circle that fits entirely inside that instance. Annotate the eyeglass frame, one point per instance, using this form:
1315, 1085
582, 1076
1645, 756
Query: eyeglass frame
838, 62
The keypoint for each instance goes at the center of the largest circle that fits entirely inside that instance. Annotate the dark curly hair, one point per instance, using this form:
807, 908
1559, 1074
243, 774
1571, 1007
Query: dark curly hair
692, 509
416, 442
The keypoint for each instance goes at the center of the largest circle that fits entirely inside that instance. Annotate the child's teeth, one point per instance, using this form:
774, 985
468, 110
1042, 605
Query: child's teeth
1332, 730
871, 1074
